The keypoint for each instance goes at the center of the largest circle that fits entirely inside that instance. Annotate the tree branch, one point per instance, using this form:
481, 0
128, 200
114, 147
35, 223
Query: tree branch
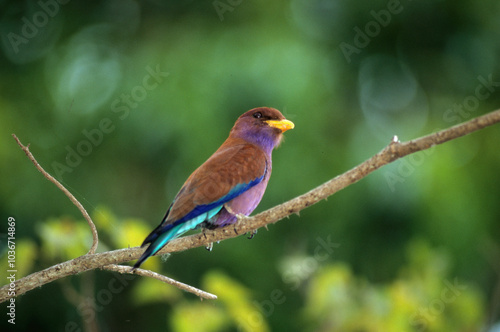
72, 198
112, 267
151, 274
390, 153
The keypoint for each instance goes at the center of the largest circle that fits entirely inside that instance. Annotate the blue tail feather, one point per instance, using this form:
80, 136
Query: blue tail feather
163, 234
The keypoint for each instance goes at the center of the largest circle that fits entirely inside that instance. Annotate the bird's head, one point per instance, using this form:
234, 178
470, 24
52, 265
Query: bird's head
262, 126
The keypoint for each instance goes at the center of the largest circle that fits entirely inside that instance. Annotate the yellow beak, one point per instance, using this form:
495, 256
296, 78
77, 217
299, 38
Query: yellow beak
283, 125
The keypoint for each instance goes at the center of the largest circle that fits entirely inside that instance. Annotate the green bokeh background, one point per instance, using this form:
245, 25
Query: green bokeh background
350, 74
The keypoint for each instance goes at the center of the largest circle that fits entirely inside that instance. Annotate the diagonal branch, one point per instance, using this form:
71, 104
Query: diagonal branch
147, 273
390, 153
65, 191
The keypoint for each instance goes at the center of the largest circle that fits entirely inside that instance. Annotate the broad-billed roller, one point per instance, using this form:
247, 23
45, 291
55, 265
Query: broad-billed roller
231, 182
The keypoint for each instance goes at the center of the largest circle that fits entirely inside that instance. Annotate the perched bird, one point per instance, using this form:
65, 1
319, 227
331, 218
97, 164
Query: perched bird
231, 182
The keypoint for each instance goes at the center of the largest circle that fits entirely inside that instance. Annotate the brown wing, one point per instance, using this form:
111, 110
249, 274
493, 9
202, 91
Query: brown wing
234, 168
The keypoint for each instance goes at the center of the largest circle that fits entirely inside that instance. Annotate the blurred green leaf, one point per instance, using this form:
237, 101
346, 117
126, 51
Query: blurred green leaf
25, 256
147, 291
198, 317
417, 301
236, 301
64, 238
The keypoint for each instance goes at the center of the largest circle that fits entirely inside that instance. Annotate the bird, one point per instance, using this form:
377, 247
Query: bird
229, 185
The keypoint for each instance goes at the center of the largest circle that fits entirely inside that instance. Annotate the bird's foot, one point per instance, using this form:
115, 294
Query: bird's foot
252, 234
210, 246
241, 219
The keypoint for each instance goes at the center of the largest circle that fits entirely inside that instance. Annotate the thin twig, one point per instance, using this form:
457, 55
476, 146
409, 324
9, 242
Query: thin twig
151, 274
392, 152
72, 198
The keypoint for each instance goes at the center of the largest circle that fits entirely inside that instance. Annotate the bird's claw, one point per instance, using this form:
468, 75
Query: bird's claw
242, 218
210, 246
252, 234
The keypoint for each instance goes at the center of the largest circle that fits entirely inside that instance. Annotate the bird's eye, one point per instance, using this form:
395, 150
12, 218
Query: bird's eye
257, 115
